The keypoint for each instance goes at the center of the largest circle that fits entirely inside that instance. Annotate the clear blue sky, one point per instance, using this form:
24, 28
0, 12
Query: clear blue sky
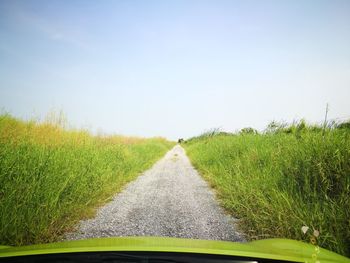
175, 68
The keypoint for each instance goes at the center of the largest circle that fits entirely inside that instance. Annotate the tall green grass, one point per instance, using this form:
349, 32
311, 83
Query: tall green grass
281, 180
51, 177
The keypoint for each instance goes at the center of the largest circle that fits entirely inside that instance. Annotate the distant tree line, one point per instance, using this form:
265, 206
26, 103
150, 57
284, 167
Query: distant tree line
274, 127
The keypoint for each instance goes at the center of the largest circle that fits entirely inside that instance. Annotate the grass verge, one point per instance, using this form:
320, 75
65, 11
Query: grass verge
281, 180
51, 177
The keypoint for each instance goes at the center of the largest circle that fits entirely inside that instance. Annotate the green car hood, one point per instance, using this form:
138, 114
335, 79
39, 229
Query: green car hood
278, 249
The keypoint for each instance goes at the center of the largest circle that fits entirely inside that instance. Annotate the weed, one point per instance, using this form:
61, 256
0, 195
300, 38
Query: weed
285, 178
51, 177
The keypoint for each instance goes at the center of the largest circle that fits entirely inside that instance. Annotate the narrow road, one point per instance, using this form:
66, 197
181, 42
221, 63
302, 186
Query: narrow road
170, 199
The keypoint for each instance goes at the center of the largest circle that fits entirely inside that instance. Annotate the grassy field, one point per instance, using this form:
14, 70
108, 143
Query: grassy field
51, 177
281, 180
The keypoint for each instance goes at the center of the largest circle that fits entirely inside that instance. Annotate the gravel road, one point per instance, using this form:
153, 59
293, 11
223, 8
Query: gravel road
170, 199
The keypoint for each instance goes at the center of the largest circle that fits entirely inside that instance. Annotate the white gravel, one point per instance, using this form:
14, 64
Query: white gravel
170, 199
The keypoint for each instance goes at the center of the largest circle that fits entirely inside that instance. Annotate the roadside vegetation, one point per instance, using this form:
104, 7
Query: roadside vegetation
51, 177
280, 180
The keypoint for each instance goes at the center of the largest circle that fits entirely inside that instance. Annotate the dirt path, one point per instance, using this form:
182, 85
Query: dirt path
170, 199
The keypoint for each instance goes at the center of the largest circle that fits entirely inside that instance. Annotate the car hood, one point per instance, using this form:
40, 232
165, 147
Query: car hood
278, 249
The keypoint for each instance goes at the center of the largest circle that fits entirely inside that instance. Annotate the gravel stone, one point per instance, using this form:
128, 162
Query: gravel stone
170, 199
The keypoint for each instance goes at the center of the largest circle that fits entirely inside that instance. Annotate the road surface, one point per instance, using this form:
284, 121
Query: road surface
170, 200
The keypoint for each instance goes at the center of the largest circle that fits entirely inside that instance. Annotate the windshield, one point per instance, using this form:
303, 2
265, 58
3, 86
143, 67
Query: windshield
203, 120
